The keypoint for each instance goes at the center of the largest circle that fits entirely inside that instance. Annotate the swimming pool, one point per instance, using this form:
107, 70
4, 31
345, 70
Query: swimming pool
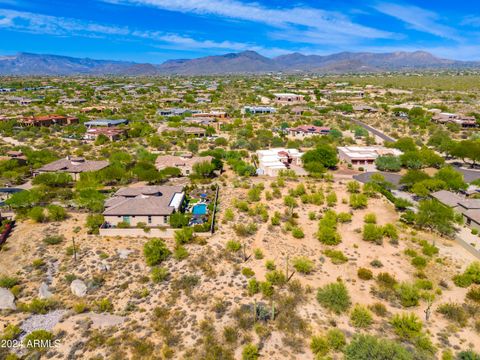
199, 209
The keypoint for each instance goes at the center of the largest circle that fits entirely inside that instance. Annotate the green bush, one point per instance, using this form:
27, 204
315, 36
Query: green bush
406, 326
370, 218
56, 213
336, 339
53, 239
334, 297
358, 201
39, 339
103, 305
184, 236
180, 253
369, 347
233, 246
303, 265
454, 312
159, 274
250, 352
258, 253
373, 233
319, 345
378, 309
361, 317
336, 256
8, 282
474, 294
38, 306
364, 274
276, 277
37, 214
266, 288
408, 294
297, 233
344, 217
253, 287
419, 262
155, 251
247, 272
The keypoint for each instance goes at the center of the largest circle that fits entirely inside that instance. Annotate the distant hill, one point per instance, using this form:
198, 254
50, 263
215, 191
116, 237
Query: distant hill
232, 63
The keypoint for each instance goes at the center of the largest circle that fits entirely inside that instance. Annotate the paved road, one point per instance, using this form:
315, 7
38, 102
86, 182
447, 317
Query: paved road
373, 130
390, 177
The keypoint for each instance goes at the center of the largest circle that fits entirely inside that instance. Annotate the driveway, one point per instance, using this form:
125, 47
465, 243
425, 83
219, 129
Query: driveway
390, 177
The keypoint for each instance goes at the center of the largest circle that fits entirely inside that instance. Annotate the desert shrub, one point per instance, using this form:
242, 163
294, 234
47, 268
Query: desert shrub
428, 249
336, 256
276, 277
358, 201
266, 288
38, 339
370, 347
229, 215
390, 231
378, 309
180, 253
258, 254
361, 317
94, 221
253, 287
233, 246
319, 345
103, 305
336, 339
474, 294
184, 236
245, 229
386, 280
454, 312
334, 297
423, 284
370, 218
247, 272
250, 352
419, 262
56, 213
344, 217
270, 265
406, 326
469, 276
10, 332
80, 307
53, 239
462, 280
364, 274
37, 214
155, 251
468, 355
8, 282
297, 233
38, 306
408, 294
159, 274
328, 236
372, 232
376, 263
303, 264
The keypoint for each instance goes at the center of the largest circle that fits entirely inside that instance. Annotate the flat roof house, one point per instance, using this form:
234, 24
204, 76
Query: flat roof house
258, 110
303, 131
48, 120
288, 98
185, 162
150, 205
364, 156
105, 122
462, 120
272, 161
112, 133
73, 166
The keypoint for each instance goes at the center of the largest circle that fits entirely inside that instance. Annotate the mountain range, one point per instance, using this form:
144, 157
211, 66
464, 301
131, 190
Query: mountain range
23, 64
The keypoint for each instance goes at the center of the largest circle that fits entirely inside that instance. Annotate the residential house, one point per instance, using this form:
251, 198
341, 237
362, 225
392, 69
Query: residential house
73, 166
105, 122
184, 162
303, 131
148, 205
175, 112
211, 114
459, 119
469, 208
272, 161
364, 156
112, 133
288, 98
258, 110
48, 120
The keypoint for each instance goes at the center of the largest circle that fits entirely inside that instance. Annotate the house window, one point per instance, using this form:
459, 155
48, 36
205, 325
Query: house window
126, 219
149, 219
165, 219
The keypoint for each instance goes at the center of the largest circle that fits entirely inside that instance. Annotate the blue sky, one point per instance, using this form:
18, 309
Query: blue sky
157, 30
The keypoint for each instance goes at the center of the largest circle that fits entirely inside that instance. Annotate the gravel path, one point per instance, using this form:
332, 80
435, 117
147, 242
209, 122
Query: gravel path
42, 322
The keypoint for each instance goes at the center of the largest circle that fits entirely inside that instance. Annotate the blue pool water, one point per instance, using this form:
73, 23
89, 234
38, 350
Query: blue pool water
199, 209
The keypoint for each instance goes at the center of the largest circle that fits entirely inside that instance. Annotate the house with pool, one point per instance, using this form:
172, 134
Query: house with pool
149, 206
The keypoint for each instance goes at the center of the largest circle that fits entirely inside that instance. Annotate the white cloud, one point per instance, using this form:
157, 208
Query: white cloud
59, 26
419, 19
324, 23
